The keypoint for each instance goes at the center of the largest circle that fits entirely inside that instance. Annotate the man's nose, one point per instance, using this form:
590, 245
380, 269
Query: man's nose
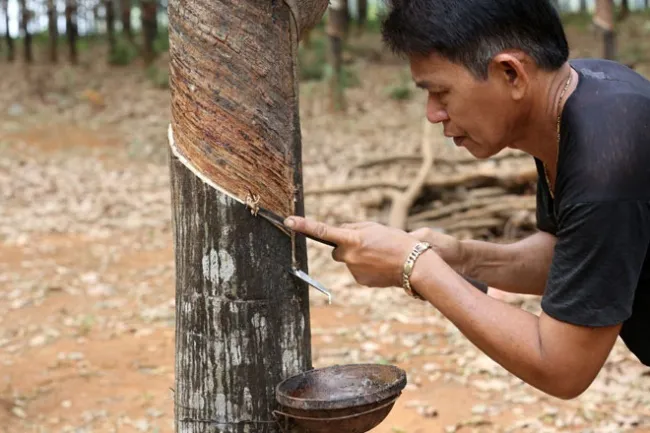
435, 112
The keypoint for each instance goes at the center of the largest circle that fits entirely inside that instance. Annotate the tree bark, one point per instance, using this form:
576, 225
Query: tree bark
583, 6
154, 23
27, 37
337, 16
362, 11
110, 24
10, 41
604, 22
346, 19
52, 30
242, 321
71, 28
125, 12
625, 10
148, 29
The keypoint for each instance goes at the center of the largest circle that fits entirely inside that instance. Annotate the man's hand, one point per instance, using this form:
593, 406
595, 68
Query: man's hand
556, 357
448, 247
373, 253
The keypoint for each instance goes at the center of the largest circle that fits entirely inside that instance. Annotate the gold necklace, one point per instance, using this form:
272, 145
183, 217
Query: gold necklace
559, 115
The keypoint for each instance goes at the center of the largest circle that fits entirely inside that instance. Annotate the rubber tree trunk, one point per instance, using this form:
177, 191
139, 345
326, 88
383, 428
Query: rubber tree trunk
154, 23
148, 29
53, 30
95, 15
346, 19
604, 22
362, 12
110, 24
625, 10
125, 13
24, 28
242, 321
336, 23
71, 28
11, 54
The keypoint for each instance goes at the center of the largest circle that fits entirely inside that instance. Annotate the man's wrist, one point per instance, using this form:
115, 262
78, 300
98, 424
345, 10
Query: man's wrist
409, 266
424, 270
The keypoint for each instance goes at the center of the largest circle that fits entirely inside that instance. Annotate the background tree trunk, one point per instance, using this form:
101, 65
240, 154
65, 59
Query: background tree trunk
336, 22
71, 28
125, 12
24, 14
53, 30
155, 20
362, 11
604, 22
625, 10
583, 6
110, 24
148, 29
242, 320
10, 41
346, 19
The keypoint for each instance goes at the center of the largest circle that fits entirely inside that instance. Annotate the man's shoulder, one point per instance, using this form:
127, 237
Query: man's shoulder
610, 99
602, 81
607, 70
605, 150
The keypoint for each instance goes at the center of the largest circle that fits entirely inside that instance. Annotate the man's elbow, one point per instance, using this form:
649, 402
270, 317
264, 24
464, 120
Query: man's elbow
569, 393
567, 386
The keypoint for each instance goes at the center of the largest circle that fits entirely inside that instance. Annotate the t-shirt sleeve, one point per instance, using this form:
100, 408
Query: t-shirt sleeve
597, 262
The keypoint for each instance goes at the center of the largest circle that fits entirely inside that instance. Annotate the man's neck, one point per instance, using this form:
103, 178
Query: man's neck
541, 139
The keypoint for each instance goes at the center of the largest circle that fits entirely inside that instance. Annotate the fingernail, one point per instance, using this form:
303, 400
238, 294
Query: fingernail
289, 222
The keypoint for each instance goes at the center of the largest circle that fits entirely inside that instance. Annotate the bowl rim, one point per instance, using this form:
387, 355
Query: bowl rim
389, 390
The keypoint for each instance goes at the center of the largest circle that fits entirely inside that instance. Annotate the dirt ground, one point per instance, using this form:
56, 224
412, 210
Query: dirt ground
87, 277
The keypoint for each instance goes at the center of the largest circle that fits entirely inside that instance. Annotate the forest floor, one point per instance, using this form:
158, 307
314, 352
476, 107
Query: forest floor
87, 271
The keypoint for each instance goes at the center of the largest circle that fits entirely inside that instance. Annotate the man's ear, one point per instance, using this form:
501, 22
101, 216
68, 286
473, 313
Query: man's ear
510, 69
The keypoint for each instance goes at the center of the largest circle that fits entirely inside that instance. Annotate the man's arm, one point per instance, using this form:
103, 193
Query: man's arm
597, 263
556, 357
519, 267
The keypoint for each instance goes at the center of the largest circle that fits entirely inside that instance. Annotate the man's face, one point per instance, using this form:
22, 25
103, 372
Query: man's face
480, 115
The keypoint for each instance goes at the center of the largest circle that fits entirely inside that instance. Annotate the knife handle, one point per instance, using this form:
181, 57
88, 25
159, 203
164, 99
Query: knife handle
322, 241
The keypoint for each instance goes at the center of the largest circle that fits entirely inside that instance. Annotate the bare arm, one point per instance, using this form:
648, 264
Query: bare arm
556, 357
519, 267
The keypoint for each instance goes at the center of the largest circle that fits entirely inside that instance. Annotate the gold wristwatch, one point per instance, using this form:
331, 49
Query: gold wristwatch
418, 249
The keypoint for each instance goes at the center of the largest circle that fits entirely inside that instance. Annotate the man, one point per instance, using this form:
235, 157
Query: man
497, 76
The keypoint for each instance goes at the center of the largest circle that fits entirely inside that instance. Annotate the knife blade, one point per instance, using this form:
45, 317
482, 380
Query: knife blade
278, 221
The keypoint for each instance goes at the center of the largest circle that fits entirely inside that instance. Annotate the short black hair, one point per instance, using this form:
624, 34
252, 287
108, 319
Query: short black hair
472, 32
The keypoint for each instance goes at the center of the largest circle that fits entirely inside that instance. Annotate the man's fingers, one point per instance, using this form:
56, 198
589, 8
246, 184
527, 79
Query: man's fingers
337, 254
357, 226
318, 229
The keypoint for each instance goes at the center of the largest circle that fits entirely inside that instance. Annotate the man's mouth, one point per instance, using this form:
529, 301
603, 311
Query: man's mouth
459, 141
